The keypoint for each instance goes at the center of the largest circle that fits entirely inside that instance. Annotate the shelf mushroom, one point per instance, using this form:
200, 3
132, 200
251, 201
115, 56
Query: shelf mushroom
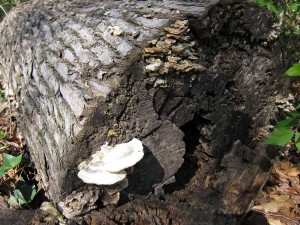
107, 165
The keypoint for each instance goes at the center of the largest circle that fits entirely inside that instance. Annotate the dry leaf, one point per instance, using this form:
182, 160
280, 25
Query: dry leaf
296, 199
206, 183
4, 121
274, 206
281, 198
293, 172
274, 178
285, 165
288, 190
272, 221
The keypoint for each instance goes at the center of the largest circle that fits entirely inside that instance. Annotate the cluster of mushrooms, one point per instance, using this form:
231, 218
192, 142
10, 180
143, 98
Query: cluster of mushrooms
107, 167
173, 51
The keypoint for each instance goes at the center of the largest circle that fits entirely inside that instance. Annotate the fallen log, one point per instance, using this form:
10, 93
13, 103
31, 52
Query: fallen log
192, 80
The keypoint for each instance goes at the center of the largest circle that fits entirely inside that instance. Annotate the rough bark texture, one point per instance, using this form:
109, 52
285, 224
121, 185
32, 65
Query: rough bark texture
79, 85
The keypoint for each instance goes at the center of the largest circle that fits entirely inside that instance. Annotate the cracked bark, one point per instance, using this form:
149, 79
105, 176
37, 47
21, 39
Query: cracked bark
78, 84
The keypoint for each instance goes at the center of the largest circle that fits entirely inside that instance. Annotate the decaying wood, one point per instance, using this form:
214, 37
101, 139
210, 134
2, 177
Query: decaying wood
79, 71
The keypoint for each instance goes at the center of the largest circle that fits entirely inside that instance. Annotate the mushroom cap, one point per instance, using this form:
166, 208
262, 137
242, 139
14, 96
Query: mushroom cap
123, 156
106, 166
99, 176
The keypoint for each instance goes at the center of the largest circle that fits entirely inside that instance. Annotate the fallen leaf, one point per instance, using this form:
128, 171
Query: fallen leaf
4, 121
281, 198
272, 221
288, 190
296, 199
274, 206
285, 165
206, 183
294, 171
274, 178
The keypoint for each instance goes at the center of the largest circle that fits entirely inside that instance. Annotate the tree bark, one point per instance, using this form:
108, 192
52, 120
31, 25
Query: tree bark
80, 84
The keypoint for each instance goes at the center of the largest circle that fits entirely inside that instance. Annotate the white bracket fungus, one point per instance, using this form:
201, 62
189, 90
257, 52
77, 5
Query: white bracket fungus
107, 165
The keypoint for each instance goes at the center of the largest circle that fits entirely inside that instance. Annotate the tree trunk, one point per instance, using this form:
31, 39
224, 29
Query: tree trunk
84, 74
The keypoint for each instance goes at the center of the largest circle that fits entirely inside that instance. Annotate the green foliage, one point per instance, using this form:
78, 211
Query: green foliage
1, 134
280, 137
293, 71
286, 131
287, 13
9, 162
269, 5
6, 5
23, 193
2, 96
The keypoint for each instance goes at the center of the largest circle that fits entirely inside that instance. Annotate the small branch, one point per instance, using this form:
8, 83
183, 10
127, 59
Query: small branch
10, 118
2, 8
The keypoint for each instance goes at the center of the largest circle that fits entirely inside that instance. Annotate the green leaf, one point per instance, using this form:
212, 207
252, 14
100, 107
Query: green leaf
19, 195
295, 114
272, 8
10, 161
297, 107
293, 71
261, 2
286, 124
13, 200
295, 6
280, 137
24, 192
1, 134
2, 172
297, 140
2, 96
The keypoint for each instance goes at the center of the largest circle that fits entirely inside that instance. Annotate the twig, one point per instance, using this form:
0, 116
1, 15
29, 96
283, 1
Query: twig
10, 119
277, 215
1, 7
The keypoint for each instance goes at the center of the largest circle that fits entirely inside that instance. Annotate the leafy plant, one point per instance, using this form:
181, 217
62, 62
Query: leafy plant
2, 96
269, 5
287, 130
1, 134
287, 13
23, 194
9, 162
293, 71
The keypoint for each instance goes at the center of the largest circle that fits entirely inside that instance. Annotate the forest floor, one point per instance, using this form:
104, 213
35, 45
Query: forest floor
278, 202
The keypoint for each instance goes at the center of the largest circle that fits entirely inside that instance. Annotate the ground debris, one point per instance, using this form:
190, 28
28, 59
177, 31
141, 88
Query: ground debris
280, 198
